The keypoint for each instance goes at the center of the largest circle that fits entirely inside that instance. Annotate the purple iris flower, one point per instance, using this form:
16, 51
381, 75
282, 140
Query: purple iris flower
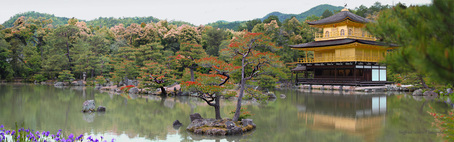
80, 137
71, 136
7, 132
37, 133
13, 132
113, 139
27, 130
1, 126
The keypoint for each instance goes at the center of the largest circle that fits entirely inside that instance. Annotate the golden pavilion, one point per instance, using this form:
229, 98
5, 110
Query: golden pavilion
343, 54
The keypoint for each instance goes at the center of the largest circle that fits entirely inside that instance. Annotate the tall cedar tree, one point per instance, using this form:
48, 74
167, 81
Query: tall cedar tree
188, 54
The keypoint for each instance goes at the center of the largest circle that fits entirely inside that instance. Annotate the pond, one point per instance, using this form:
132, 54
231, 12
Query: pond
301, 116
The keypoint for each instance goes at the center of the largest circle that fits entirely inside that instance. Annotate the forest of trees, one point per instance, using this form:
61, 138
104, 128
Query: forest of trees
40, 47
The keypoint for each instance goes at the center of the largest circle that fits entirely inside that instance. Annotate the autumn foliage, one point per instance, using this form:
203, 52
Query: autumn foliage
444, 123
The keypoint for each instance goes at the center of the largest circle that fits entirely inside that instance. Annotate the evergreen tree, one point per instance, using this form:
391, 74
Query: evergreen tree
425, 37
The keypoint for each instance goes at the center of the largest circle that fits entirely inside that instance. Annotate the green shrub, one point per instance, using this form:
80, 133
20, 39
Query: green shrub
243, 113
100, 80
266, 81
65, 76
39, 78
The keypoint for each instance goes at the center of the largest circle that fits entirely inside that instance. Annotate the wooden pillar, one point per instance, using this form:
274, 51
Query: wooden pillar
296, 79
354, 72
306, 56
291, 78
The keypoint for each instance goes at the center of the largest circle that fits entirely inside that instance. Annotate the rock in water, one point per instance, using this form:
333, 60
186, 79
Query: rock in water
430, 93
271, 95
195, 116
417, 92
101, 109
283, 96
176, 124
59, 84
134, 90
88, 106
80, 83
247, 122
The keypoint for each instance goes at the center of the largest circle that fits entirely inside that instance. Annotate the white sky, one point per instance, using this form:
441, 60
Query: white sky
194, 11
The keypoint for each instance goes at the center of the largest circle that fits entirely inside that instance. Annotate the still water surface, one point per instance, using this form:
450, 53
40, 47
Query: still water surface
301, 116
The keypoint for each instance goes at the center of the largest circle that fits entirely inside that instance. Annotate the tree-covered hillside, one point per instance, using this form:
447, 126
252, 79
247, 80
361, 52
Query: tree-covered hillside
240, 25
317, 11
98, 22
56, 20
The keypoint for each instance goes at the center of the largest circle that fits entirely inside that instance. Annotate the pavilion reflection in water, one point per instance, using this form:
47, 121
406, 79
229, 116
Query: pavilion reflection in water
360, 115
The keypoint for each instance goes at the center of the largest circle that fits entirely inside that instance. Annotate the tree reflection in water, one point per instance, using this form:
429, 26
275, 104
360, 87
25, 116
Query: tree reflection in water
302, 116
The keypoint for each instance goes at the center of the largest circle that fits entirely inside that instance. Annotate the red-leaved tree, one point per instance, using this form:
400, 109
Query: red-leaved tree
210, 87
255, 50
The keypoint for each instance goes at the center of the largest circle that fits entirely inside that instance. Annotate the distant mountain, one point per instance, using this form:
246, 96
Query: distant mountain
317, 11
226, 25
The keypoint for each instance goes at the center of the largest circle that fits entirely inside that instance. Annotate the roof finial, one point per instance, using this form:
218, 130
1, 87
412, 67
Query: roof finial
345, 7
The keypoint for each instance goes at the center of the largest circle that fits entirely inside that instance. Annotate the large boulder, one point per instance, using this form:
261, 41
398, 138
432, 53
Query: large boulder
89, 106
195, 116
134, 90
195, 124
417, 92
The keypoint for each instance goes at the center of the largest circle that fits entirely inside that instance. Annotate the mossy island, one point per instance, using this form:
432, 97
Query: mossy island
219, 127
